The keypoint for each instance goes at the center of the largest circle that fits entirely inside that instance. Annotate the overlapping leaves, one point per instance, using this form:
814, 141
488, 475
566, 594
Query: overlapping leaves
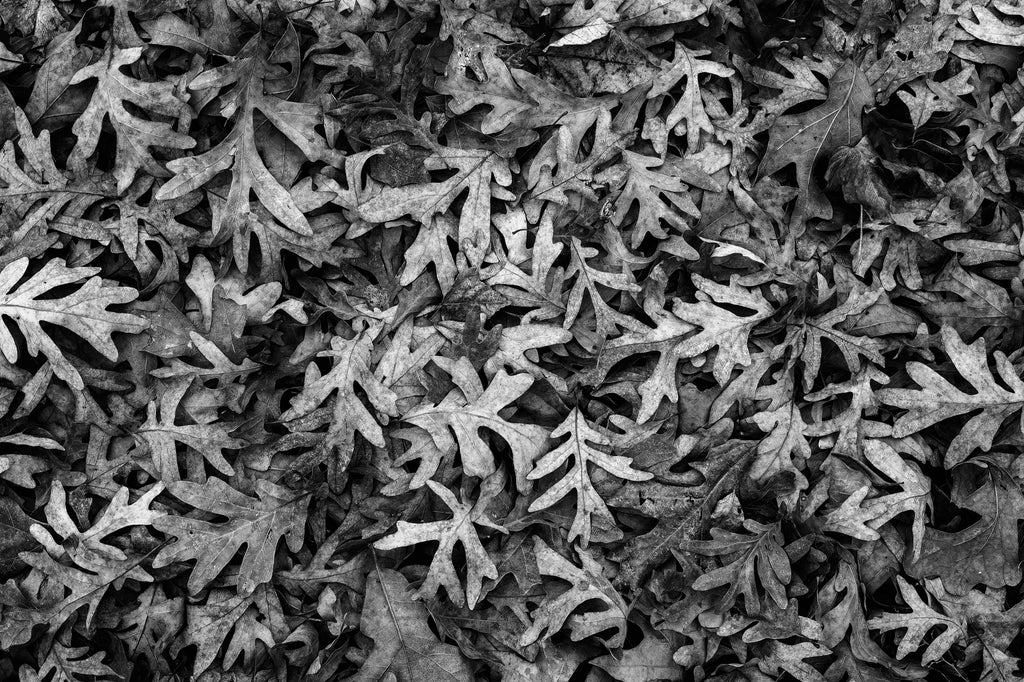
443, 340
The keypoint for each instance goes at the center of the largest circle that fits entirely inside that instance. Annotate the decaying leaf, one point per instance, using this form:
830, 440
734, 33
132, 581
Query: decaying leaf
414, 340
468, 409
716, 327
587, 585
986, 551
135, 135
257, 523
161, 435
584, 447
458, 529
921, 619
83, 312
404, 647
350, 415
938, 399
760, 560
257, 82
67, 664
811, 137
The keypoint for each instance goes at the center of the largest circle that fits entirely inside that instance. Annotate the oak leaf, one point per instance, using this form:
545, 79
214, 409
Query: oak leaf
779, 657
135, 135
987, 551
75, 568
258, 523
760, 559
209, 622
807, 138
458, 529
256, 79
585, 447
646, 186
83, 312
519, 99
350, 416
159, 435
469, 408
681, 509
590, 281
689, 115
672, 339
87, 548
938, 399
404, 646
918, 623
991, 29
149, 627
69, 664
861, 518
479, 173
587, 584
537, 286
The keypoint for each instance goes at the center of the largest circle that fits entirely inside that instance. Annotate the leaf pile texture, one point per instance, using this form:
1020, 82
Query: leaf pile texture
508, 340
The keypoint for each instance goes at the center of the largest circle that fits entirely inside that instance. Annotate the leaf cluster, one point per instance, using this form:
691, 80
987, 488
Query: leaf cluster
420, 340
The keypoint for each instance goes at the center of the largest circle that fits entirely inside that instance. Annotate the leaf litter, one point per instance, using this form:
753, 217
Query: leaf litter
419, 340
